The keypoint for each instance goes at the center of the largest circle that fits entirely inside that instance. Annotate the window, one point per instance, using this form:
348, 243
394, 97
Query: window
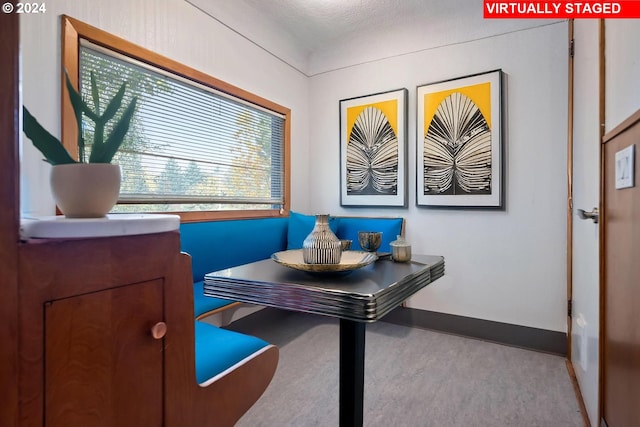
196, 145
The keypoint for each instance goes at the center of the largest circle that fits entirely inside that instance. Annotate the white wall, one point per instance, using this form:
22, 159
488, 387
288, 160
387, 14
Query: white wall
456, 21
622, 84
173, 28
252, 24
503, 266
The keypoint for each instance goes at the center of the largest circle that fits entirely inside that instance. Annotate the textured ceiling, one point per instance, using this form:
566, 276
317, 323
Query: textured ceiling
317, 24
316, 36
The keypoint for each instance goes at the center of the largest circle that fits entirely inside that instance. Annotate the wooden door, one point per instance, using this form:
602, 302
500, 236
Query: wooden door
102, 366
620, 338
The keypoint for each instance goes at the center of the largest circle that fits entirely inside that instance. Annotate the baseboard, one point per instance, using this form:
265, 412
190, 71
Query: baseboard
504, 333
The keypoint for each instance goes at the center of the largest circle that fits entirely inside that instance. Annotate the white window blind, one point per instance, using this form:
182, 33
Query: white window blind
189, 147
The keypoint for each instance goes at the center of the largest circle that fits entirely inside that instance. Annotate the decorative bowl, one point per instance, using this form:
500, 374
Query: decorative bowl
345, 244
370, 241
350, 260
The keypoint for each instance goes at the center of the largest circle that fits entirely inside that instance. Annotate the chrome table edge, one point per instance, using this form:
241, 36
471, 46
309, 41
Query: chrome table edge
315, 298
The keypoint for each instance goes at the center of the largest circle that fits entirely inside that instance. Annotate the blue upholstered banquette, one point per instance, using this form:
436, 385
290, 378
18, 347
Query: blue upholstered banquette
218, 245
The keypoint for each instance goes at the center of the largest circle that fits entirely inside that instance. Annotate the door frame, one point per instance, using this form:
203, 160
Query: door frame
601, 231
9, 214
570, 194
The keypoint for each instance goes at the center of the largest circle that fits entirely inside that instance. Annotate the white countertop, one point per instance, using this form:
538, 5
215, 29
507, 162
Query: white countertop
56, 227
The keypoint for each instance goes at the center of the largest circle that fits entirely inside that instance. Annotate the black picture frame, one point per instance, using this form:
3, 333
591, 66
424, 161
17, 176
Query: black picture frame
373, 149
459, 144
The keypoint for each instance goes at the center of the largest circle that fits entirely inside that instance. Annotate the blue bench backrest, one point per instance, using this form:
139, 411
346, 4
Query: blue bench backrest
217, 245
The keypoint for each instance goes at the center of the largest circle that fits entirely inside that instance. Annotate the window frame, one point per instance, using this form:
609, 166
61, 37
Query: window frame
73, 31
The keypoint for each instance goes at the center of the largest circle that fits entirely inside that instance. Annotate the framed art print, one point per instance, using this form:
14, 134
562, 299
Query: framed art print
373, 149
459, 144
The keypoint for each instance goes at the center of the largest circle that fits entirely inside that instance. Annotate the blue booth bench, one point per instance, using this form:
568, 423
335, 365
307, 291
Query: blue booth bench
218, 245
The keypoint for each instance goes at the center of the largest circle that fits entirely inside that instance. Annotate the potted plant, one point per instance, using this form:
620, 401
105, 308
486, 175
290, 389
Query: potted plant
85, 189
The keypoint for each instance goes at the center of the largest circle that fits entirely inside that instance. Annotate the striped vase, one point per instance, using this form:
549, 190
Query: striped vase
321, 246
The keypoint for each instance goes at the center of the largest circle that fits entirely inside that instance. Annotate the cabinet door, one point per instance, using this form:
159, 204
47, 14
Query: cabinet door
102, 366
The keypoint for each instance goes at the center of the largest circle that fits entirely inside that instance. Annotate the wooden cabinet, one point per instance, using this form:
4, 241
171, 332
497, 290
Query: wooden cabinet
92, 317
87, 311
102, 367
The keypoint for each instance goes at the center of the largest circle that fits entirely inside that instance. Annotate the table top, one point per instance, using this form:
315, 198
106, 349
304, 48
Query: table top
365, 295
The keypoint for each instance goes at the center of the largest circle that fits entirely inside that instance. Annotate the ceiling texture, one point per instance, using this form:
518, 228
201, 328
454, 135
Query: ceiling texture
317, 24
317, 36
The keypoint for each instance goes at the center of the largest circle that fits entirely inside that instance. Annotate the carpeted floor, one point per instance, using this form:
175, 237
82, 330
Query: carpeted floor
413, 377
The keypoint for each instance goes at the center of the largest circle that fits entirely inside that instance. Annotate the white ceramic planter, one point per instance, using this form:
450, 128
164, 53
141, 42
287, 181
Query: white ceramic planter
85, 190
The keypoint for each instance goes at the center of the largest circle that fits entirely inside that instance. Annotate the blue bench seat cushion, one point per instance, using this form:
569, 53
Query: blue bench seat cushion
203, 304
218, 350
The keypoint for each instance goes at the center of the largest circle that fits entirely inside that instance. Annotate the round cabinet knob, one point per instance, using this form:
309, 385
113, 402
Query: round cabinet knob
159, 330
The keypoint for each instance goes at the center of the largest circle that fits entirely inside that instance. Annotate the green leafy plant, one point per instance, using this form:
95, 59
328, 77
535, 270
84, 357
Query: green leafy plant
103, 149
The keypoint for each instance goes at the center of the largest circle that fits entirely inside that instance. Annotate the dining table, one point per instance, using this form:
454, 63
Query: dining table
356, 297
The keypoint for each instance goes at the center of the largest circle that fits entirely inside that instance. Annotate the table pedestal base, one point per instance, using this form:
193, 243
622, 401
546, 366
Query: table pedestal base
352, 336
364, 295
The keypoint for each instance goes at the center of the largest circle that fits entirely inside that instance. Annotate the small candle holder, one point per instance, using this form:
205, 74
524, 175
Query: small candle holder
400, 250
